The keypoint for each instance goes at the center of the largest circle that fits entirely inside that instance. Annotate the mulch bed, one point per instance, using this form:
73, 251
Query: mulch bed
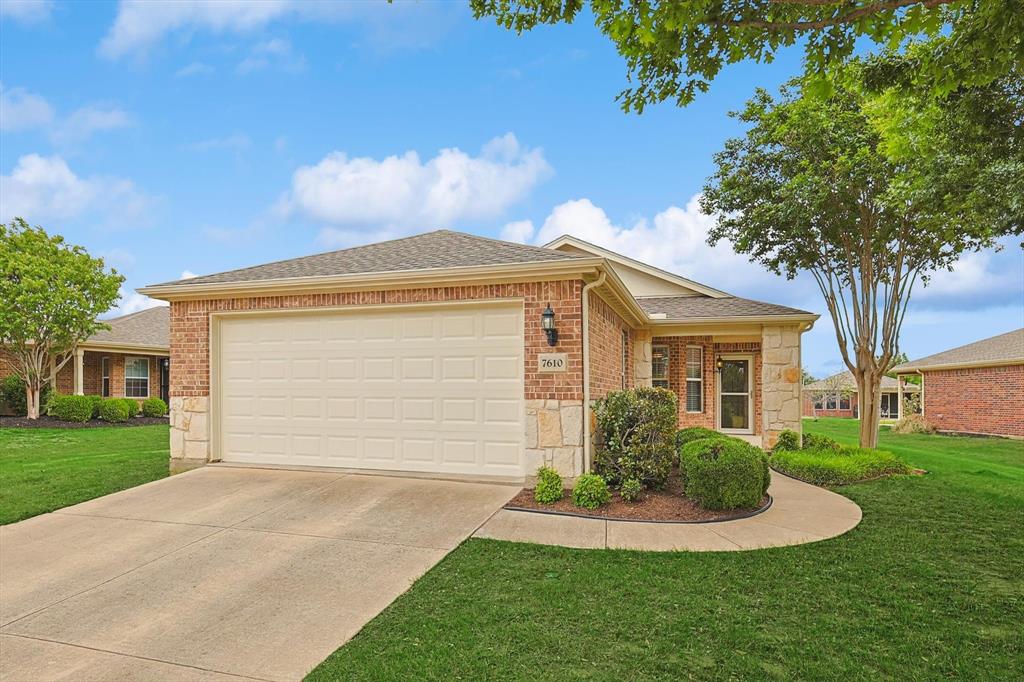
45, 422
655, 505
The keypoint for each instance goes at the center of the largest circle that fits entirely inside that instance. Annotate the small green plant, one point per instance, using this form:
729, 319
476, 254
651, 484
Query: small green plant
71, 408
132, 405
838, 467
590, 492
788, 440
724, 473
549, 486
813, 441
113, 410
913, 423
631, 490
154, 407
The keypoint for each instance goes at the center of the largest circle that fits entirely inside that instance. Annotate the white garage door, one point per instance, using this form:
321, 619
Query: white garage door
434, 389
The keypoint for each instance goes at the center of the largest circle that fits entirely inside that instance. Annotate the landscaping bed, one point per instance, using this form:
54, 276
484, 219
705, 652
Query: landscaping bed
823, 461
46, 422
666, 505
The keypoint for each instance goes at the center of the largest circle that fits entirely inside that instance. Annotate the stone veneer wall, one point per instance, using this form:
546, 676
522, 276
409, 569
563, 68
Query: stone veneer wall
546, 394
780, 361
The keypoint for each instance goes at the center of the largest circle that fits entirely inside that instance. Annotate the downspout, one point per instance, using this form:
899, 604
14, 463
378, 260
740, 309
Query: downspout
585, 308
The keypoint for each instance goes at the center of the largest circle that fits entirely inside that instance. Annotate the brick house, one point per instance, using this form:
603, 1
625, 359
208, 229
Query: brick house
977, 388
128, 360
836, 396
448, 353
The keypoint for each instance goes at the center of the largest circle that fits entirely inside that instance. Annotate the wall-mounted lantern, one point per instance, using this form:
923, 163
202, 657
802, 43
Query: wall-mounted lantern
718, 364
547, 323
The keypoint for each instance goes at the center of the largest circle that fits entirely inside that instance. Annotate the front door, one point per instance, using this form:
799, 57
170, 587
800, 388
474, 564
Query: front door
165, 379
735, 403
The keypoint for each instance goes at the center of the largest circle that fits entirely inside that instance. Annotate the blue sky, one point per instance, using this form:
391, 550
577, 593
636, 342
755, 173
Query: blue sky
194, 138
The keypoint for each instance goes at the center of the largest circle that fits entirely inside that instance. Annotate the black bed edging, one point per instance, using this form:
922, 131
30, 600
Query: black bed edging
552, 512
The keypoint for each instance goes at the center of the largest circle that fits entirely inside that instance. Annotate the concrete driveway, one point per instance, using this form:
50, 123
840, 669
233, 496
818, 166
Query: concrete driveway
221, 573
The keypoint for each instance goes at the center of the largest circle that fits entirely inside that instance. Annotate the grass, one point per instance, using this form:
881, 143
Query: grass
46, 469
837, 467
928, 586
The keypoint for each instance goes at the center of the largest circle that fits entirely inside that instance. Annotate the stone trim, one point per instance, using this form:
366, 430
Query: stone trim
781, 387
554, 436
190, 431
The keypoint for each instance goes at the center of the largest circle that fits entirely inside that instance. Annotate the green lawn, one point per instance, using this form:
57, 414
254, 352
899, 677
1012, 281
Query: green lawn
929, 586
46, 469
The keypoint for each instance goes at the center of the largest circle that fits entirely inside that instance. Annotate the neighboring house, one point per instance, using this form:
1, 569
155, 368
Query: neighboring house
977, 388
449, 353
128, 360
836, 396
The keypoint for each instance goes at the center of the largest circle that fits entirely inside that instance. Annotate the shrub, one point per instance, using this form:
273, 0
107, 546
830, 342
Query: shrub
631, 490
692, 433
831, 467
549, 486
12, 393
113, 410
635, 435
813, 441
154, 407
590, 492
96, 401
724, 473
788, 440
132, 405
913, 423
71, 408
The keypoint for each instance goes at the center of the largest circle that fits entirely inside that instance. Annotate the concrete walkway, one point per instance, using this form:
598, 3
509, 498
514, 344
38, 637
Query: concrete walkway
800, 513
221, 573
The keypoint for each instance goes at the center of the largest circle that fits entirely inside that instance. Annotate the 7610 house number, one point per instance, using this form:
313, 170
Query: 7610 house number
552, 362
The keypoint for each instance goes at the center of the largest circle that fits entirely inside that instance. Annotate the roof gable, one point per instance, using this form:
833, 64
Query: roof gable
150, 328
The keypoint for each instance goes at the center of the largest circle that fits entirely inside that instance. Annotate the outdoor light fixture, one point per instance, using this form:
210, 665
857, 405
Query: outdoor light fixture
718, 364
547, 323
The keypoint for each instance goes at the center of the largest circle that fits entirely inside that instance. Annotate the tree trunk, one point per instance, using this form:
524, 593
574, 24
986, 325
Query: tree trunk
31, 401
869, 389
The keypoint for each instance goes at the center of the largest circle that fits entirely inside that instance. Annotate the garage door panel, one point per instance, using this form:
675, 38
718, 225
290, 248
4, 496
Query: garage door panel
445, 385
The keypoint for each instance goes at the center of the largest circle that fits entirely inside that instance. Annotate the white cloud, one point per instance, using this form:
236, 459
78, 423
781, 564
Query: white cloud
518, 231
119, 259
402, 194
26, 11
982, 278
193, 69
45, 188
235, 141
187, 274
133, 302
82, 123
23, 110
275, 53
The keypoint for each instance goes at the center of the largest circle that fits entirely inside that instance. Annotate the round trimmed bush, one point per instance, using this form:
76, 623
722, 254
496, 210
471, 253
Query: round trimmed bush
113, 410
549, 486
724, 473
154, 407
813, 441
692, 433
132, 406
590, 492
631, 490
71, 408
96, 401
788, 440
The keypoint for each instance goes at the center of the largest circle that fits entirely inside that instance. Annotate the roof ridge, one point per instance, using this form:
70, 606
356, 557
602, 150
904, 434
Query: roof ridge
137, 312
962, 346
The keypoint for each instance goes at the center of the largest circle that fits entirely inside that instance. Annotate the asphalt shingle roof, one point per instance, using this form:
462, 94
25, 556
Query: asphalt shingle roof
1008, 348
432, 250
888, 383
151, 328
693, 307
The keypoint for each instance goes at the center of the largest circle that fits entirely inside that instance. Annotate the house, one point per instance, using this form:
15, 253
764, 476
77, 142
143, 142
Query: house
128, 360
836, 396
453, 354
977, 388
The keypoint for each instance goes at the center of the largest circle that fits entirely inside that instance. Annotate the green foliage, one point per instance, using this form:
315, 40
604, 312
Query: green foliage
691, 433
71, 408
154, 407
549, 486
788, 440
673, 50
635, 435
913, 423
631, 490
590, 492
130, 404
724, 473
96, 401
113, 410
12, 394
837, 467
814, 441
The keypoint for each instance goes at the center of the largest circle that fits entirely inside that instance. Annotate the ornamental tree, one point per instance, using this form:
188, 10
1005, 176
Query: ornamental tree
674, 49
50, 295
870, 191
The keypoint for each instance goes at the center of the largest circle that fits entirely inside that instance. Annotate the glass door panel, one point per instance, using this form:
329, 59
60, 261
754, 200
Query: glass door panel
734, 395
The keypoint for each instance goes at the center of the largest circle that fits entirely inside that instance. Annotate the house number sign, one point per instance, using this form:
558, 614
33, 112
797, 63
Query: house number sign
552, 362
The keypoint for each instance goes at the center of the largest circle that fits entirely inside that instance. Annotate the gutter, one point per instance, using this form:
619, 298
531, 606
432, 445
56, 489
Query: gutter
585, 307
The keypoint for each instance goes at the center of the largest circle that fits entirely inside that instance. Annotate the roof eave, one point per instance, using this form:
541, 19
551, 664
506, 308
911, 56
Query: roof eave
738, 319
914, 369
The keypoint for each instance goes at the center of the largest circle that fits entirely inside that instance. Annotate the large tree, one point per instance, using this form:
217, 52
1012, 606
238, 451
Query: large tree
869, 190
50, 295
675, 48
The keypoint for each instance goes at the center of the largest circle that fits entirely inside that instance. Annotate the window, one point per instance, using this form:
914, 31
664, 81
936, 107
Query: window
694, 379
844, 402
659, 366
819, 402
625, 356
136, 377
830, 402
105, 374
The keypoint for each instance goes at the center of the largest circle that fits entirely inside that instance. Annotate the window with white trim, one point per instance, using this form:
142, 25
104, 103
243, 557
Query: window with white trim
136, 377
831, 403
105, 377
694, 379
659, 366
844, 402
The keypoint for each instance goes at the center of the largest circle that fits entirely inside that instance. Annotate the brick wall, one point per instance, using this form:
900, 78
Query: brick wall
606, 346
677, 375
976, 400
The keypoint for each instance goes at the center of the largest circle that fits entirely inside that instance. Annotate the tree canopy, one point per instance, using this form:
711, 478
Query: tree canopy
674, 49
50, 296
